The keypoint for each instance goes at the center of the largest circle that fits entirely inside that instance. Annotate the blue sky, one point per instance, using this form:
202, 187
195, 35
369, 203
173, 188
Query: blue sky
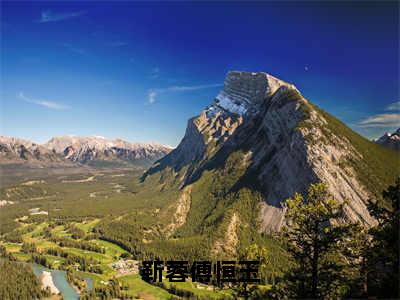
139, 71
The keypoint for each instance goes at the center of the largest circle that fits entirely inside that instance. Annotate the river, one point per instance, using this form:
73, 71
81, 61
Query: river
60, 281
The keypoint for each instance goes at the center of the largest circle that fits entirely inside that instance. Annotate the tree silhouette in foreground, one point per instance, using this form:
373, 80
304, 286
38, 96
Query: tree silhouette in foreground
383, 254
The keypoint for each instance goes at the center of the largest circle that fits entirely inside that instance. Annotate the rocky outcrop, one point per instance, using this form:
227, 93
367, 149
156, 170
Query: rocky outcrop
390, 140
228, 245
182, 210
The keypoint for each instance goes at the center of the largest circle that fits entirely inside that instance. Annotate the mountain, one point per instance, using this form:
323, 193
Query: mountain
258, 143
97, 150
390, 140
74, 150
14, 150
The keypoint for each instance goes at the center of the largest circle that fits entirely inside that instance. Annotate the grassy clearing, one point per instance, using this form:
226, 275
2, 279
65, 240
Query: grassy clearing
55, 261
34, 235
199, 289
138, 287
89, 254
12, 247
44, 244
87, 226
21, 256
112, 250
59, 231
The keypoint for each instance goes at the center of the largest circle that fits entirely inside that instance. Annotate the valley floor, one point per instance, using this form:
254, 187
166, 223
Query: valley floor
54, 221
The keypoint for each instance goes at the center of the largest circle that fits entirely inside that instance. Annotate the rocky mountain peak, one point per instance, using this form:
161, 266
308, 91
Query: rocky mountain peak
244, 92
244, 97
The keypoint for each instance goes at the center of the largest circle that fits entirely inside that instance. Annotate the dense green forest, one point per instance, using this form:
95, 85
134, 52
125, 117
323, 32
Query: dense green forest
17, 281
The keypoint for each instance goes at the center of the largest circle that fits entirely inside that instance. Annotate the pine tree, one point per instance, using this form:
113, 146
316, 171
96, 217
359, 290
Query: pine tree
319, 245
257, 253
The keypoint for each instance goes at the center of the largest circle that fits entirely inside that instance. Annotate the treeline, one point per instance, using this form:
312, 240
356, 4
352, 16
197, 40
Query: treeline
185, 248
28, 248
13, 236
81, 244
6, 255
179, 293
85, 264
113, 290
70, 259
128, 237
17, 281
76, 281
40, 260
76, 233
123, 234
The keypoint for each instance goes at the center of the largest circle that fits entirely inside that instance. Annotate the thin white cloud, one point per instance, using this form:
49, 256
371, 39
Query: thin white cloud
44, 103
49, 16
152, 96
153, 93
393, 106
192, 87
74, 49
381, 120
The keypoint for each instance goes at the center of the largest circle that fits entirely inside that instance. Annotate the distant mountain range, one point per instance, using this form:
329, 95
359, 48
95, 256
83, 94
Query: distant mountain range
390, 140
15, 150
261, 139
93, 151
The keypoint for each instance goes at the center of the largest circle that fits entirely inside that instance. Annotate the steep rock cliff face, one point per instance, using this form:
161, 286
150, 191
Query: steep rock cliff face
284, 142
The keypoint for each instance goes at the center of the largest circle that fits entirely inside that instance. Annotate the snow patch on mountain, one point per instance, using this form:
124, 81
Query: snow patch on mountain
390, 140
71, 148
86, 149
228, 104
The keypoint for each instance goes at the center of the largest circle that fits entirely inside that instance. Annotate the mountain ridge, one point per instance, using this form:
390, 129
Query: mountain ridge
79, 149
390, 140
268, 139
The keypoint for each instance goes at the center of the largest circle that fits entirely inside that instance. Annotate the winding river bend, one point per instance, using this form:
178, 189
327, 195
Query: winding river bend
60, 281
